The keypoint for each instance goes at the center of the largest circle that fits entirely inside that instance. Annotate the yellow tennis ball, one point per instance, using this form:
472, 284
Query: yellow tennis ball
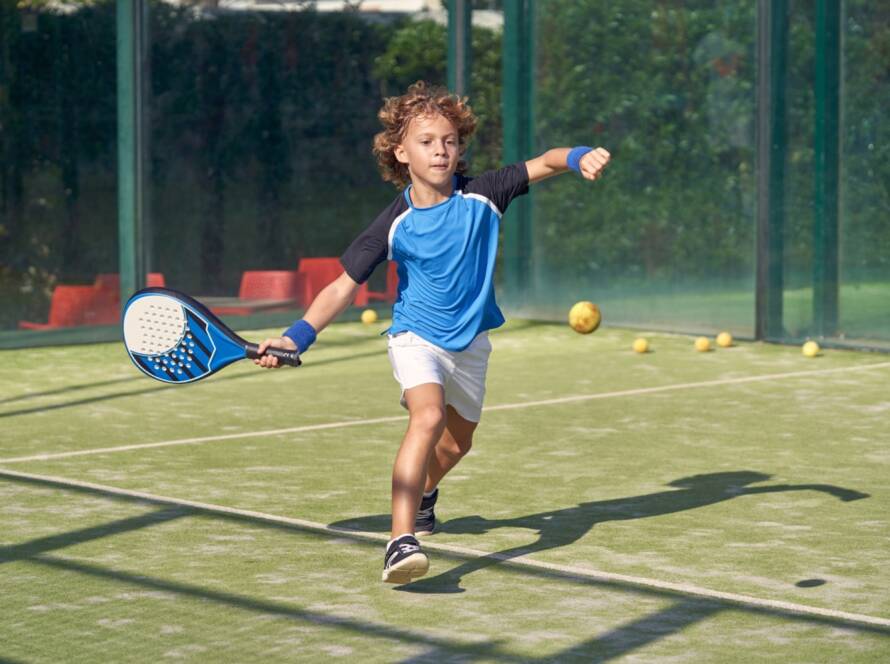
810, 349
641, 345
584, 317
702, 345
369, 316
724, 340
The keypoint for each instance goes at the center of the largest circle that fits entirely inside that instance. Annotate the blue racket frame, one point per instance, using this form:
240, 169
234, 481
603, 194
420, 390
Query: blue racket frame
205, 344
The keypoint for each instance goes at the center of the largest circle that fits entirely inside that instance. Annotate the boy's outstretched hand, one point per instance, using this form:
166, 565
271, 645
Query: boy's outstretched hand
285, 343
593, 163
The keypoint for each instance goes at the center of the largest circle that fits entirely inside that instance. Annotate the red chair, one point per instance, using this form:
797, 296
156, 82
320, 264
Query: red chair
259, 285
98, 304
271, 285
106, 308
111, 281
69, 306
318, 273
392, 287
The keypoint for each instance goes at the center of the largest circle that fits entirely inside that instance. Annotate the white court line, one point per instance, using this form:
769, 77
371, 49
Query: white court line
487, 409
513, 561
206, 439
686, 386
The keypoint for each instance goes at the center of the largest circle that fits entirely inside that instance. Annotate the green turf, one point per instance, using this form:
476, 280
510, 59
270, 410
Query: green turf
745, 487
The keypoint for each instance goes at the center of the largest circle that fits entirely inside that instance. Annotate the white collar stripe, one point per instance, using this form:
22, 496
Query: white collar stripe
487, 201
401, 217
392, 231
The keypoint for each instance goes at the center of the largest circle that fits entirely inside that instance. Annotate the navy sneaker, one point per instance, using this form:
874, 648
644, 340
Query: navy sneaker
425, 522
404, 561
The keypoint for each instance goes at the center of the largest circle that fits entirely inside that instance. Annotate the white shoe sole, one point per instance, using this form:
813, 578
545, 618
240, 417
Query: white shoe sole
404, 571
424, 533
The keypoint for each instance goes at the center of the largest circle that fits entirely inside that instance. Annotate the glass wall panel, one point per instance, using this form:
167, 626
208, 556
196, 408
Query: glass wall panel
58, 198
262, 122
259, 120
797, 259
865, 174
666, 238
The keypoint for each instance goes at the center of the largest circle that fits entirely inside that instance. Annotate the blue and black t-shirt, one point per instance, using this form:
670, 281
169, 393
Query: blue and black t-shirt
446, 256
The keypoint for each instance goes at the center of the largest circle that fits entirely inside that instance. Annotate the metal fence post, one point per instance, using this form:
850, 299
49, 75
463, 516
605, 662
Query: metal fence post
460, 46
826, 147
131, 15
772, 47
518, 113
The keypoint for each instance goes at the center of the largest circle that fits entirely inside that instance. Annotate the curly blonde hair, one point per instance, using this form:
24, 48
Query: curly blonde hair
420, 100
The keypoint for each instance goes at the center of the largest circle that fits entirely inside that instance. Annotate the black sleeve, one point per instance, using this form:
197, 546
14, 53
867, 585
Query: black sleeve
370, 248
501, 186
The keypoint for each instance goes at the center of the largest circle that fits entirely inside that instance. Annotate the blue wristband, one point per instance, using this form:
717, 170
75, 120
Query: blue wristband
573, 161
302, 334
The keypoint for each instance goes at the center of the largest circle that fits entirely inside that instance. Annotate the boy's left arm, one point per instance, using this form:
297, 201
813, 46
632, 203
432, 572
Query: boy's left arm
588, 162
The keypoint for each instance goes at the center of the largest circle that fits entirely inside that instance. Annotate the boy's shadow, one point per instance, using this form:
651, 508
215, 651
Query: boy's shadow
560, 527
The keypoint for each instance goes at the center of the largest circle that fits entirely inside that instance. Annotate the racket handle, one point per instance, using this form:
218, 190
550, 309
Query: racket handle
290, 357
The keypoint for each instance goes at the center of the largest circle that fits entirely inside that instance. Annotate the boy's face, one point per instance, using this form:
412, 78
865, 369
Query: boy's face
430, 149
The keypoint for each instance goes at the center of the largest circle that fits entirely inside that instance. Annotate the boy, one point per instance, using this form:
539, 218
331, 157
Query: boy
443, 231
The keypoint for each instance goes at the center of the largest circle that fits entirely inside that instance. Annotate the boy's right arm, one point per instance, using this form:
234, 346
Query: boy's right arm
329, 304
367, 251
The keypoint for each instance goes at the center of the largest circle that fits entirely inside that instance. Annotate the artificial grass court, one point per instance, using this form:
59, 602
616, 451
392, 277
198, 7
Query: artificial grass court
671, 506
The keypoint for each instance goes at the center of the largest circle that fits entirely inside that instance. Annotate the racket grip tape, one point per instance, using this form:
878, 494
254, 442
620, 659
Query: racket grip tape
290, 357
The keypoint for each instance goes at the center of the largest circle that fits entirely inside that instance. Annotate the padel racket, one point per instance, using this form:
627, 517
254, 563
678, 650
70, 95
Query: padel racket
175, 339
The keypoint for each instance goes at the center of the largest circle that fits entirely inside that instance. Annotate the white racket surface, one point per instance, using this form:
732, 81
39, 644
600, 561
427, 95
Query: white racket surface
154, 325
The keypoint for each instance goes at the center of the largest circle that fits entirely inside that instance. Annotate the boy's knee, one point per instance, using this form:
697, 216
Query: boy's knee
455, 447
429, 418
463, 446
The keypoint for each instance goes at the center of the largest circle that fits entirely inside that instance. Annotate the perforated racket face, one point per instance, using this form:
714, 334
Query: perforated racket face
154, 325
167, 340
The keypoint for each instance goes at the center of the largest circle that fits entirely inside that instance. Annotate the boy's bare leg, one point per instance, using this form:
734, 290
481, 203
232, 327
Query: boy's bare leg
453, 444
426, 422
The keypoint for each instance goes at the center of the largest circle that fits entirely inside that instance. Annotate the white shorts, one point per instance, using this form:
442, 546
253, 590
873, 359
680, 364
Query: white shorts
415, 361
